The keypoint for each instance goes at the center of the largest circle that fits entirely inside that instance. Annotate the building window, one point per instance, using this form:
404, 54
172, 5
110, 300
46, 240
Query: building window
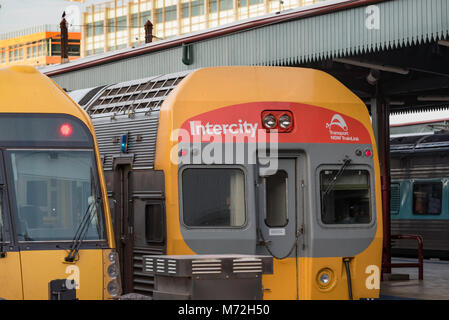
121, 23
427, 198
213, 7
213, 197
226, 5
144, 17
90, 28
185, 10
159, 15
252, 2
99, 28
74, 50
135, 20
55, 49
111, 25
170, 13
197, 8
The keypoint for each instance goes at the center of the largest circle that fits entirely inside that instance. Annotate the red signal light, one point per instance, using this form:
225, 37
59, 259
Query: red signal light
368, 153
66, 130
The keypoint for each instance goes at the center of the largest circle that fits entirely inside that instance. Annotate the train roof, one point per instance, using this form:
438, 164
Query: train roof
135, 107
420, 143
419, 117
25, 90
127, 98
145, 95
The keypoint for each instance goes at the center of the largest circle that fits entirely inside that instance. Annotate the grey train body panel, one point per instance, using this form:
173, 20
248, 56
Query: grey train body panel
132, 109
420, 159
318, 239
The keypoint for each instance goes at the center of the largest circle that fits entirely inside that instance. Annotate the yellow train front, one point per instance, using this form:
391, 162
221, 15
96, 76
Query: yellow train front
56, 233
245, 160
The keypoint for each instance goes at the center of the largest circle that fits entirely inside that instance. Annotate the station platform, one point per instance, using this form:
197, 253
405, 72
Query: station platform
435, 285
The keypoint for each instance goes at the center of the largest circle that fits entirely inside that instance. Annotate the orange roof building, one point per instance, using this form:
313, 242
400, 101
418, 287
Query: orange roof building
36, 46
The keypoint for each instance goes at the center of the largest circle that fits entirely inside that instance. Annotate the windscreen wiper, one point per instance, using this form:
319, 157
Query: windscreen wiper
81, 232
331, 185
84, 223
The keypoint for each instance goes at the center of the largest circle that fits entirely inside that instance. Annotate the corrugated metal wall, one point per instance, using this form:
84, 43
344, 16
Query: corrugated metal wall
336, 34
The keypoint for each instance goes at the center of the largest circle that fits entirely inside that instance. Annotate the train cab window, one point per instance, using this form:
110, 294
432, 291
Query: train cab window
55, 193
345, 197
276, 199
213, 197
427, 198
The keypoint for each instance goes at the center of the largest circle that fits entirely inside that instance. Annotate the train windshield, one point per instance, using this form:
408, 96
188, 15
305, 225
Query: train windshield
345, 197
54, 190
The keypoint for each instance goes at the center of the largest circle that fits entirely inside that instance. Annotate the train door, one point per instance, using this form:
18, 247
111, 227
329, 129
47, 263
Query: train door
10, 270
280, 224
123, 227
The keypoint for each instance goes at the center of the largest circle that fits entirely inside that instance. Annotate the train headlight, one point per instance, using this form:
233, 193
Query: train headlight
269, 121
325, 279
285, 121
113, 288
113, 257
113, 271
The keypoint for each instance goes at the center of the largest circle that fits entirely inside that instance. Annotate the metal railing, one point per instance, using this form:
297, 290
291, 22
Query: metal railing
420, 264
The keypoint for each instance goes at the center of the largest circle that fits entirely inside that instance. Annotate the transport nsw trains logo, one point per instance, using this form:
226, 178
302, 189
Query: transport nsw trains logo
339, 130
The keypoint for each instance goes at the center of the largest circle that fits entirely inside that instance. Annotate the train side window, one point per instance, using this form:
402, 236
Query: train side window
213, 197
427, 198
276, 199
345, 197
154, 222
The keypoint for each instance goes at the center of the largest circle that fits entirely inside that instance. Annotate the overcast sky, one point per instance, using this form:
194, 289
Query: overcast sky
21, 14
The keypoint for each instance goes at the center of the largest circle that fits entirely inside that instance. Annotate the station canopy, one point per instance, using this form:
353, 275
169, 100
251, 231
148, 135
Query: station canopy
396, 49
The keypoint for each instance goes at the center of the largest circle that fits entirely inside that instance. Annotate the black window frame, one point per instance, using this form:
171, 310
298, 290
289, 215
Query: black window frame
206, 167
266, 220
14, 208
9, 193
372, 196
162, 225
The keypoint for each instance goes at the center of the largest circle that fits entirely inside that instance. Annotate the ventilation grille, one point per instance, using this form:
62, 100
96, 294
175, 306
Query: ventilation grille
245, 265
155, 265
128, 98
207, 266
395, 200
